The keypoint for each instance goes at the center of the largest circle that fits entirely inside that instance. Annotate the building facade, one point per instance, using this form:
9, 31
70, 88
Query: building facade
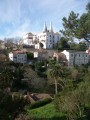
88, 51
18, 56
41, 55
76, 57
48, 38
27, 39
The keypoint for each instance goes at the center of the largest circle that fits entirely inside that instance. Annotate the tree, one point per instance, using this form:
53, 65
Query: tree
62, 43
57, 73
41, 45
88, 7
6, 78
70, 25
75, 27
30, 56
73, 46
81, 46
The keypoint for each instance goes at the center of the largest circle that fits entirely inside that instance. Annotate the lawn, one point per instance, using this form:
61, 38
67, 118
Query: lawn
46, 112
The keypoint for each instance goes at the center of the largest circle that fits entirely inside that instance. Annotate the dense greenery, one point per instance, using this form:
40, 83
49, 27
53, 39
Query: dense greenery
47, 112
40, 103
30, 56
64, 44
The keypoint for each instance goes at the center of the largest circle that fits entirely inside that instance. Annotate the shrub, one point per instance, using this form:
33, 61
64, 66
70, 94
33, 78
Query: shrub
40, 103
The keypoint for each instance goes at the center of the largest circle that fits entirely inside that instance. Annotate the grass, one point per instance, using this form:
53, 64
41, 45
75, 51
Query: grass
46, 112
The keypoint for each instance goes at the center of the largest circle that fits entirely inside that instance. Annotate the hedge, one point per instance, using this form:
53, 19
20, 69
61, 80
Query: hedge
40, 103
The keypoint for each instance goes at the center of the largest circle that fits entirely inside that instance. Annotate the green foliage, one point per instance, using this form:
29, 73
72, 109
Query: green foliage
74, 101
30, 56
41, 68
40, 103
88, 7
47, 112
52, 63
41, 45
11, 106
56, 74
62, 44
4, 115
77, 27
6, 78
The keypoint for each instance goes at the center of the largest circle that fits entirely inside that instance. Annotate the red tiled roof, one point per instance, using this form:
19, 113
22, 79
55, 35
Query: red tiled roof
61, 55
43, 96
56, 33
29, 34
16, 52
1, 41
35, 97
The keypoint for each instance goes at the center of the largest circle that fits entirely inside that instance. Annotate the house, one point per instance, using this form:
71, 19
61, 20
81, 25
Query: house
27, 40
48, 38
88, 51
76, 57
35, 97
18, 56
41, 54
60, 57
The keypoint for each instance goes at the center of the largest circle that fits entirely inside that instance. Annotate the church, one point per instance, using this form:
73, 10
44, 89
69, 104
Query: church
48, 38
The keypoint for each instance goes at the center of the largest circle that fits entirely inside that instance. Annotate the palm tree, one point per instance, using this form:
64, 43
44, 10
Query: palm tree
56, 73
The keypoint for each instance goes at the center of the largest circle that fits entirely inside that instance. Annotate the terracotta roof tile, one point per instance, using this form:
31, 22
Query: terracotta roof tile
17, 52
1, 41
56, 33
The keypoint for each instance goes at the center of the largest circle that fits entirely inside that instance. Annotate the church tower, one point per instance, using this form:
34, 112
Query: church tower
50, 29
45, 28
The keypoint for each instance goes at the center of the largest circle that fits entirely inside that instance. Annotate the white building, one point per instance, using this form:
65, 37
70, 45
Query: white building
27, 39
76, 57
48, 38
88, 51
18, 56
41, 55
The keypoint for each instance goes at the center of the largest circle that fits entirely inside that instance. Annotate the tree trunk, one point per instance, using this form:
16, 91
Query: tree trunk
56, 86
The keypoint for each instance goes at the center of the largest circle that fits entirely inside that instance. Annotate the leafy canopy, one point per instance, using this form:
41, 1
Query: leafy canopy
75, 27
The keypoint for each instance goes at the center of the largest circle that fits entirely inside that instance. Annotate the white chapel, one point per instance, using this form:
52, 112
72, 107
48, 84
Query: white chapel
48, 38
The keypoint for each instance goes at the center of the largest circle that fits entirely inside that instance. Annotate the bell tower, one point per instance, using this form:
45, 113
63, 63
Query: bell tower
45, 28
50, 28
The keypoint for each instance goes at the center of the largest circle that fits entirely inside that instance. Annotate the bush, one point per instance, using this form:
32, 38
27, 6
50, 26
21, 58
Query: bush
40, 103
30, 56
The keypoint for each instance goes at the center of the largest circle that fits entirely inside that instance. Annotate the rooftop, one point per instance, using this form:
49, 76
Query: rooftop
18, 52
1, 41
75, 51
56, 33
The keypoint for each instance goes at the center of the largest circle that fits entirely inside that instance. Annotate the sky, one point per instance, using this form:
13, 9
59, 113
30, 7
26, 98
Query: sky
18, 17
